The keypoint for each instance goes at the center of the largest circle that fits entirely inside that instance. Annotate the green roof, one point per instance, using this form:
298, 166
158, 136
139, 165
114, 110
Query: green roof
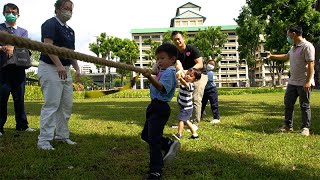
191, 28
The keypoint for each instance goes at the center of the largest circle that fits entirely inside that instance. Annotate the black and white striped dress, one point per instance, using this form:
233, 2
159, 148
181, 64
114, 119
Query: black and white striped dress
185, 96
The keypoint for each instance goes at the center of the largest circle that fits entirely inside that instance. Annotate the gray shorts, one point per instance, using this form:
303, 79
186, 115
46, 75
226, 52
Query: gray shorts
185, 114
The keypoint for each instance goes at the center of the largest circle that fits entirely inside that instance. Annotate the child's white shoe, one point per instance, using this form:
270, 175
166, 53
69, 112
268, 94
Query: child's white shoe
215, 121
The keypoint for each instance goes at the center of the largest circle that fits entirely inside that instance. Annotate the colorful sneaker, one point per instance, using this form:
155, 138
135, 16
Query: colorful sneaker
177, 136
153, 175
285, 128
172, 152
215, 121
194, 137
305, 132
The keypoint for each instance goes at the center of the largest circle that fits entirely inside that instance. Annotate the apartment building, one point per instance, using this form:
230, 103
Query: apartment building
233, 72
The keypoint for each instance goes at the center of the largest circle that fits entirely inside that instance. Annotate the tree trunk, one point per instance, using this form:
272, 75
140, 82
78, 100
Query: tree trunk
279, 78
317, 66
252, 77
121, 80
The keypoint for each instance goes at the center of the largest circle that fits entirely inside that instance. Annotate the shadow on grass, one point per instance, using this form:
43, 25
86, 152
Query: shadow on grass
259, 117
126, 157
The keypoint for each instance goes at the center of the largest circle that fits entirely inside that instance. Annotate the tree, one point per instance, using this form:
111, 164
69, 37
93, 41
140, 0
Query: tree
249, 31
103, 48
128, 52
151, 52
210, 42
280, 14
166, 37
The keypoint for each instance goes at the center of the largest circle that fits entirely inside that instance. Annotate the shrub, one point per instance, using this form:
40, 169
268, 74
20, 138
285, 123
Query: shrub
34, 92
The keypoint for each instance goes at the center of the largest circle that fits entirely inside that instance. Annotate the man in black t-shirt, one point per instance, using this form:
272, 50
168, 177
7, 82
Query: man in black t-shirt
189, 57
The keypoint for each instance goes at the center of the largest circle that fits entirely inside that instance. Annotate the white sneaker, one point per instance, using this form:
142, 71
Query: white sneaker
45, 146
67, 140
215, 121
172, 152
30, 130
0, 134
305, 132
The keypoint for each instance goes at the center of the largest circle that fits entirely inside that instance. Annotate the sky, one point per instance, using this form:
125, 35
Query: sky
118, 17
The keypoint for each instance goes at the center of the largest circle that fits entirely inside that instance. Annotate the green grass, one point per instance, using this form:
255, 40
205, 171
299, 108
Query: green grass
243, 146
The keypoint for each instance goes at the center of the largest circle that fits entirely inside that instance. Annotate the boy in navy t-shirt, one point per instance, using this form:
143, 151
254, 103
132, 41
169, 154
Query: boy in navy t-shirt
158, 111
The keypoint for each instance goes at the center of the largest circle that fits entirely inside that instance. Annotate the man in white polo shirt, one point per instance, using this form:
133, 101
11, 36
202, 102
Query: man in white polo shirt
301, 56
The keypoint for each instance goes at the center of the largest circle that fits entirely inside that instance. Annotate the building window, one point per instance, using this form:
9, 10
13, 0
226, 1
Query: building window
231, 40
145, 37
184, 23
231, 33
136, 38
155, 36
200, 22
177, 23
192, 23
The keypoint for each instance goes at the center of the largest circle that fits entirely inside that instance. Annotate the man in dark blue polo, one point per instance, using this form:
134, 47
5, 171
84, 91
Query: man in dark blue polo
12, 77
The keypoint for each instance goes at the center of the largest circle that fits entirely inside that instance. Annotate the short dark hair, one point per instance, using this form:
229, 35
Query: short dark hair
59, 3
11, 6
168, 48
196, 72
175, 33
296, 29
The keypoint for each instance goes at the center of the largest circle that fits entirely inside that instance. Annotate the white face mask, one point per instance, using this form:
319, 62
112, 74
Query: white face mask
65, 15
210, 67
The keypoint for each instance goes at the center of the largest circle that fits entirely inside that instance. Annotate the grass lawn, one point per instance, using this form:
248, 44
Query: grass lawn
244, 146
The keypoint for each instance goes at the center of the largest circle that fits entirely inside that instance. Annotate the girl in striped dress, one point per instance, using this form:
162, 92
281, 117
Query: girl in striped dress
185, 102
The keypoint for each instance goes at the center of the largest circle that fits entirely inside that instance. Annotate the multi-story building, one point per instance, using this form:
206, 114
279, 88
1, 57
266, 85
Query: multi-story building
233, 72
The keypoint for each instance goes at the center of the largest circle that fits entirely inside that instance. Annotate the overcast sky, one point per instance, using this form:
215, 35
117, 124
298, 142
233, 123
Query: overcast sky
118, 17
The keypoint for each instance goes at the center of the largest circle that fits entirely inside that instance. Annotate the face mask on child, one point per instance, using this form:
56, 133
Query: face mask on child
210, 67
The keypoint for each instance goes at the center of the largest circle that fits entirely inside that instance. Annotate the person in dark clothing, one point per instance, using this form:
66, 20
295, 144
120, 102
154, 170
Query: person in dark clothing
12, 77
